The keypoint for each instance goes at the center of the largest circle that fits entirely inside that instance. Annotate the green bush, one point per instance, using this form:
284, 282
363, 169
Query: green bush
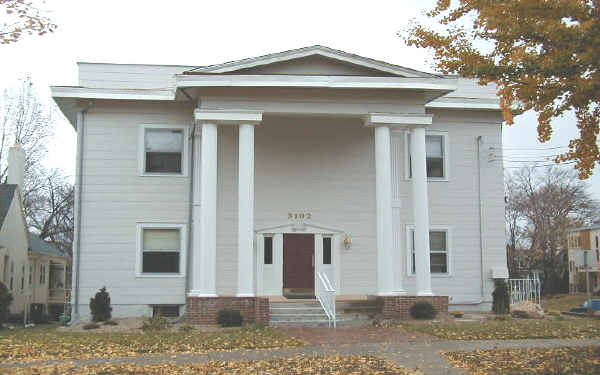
156, 323
230, 318
100, 306
423, 310
91, 326
501, 298
5, 300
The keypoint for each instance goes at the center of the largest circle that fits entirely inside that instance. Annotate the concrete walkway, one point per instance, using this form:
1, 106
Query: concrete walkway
424, 355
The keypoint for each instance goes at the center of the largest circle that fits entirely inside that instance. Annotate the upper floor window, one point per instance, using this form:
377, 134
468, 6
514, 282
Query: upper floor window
164, 150
42, 274
12, 275
438, 251
436, 155
161, 249
30, 275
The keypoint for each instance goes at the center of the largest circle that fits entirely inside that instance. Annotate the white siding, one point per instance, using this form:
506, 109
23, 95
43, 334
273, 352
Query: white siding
129, 76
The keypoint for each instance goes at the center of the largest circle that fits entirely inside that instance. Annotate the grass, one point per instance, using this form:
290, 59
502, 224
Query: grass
563, 302
512, 329
362, 365
26, 345
547, 361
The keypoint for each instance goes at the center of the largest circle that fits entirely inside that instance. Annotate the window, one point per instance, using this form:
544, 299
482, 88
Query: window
30, 276
268, 257
161, 249
435, 146
42, 274
22, 277
596, 242
438, 251
164, 149
12, 274
166, 311
326, 250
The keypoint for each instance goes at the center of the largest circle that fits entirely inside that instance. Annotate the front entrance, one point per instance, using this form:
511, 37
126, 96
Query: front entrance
299, 265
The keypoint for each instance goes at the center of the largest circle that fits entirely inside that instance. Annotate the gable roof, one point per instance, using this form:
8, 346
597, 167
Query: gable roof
7, 193
317, 50
40, 246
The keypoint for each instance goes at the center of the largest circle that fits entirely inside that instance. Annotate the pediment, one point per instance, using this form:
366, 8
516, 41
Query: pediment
299, 227
313, 61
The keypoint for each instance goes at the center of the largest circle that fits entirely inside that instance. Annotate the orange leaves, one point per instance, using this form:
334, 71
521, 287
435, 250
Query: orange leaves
23, 18
545, 55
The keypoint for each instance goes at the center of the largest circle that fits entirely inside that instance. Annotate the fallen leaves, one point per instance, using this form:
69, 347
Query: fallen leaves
46, 344
512, 329
358, 365
546, 361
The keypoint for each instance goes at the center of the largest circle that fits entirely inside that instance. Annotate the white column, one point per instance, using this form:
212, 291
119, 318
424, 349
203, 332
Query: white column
383, 186
205, 229
420, 210
246, 211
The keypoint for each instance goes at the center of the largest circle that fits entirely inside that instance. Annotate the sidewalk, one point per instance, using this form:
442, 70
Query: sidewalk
424, 355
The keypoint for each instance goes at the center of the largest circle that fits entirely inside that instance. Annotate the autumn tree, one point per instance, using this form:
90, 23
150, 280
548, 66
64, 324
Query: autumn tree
544, 55
22, 17
545, 203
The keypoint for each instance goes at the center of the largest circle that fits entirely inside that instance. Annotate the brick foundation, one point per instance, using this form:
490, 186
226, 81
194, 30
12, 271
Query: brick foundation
398, 307
204, 310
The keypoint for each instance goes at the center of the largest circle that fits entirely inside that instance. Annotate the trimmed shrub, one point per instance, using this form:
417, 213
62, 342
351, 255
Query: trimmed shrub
156, 323
230, 318
100, 306
423, 310
91, 326
501, 298
5, 300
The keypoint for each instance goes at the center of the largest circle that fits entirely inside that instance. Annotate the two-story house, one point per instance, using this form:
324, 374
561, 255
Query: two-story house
581, 243
201, 187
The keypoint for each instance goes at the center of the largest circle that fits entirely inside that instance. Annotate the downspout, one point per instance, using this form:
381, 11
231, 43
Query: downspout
190, 197
479, 140
77, 240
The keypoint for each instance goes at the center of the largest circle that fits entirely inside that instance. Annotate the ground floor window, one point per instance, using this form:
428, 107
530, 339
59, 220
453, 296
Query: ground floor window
161, 249
438, 251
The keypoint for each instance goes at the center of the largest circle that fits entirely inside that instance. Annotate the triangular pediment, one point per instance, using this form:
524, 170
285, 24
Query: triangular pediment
313, 61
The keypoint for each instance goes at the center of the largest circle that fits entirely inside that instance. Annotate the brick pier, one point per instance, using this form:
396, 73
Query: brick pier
204, 310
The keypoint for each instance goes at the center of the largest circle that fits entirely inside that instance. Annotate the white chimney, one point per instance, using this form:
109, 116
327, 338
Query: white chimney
16, 165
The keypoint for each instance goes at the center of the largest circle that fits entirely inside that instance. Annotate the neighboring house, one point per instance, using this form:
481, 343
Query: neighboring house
221, 185
32, 269
581, 241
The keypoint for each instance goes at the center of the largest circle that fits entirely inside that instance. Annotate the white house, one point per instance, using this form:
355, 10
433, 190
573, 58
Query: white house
222, 185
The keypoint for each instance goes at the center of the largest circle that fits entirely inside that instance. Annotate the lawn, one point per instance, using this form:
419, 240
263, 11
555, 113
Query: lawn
563, 361
514, 329
26, 345
563, 302
296, 365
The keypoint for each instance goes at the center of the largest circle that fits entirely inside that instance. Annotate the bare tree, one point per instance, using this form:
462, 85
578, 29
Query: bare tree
542, 205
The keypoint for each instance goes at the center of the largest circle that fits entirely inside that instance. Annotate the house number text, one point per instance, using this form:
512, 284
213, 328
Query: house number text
299, 215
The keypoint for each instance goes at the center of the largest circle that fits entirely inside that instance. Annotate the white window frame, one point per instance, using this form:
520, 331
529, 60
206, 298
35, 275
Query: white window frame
182, 252
446, 161
142, 150
432, 228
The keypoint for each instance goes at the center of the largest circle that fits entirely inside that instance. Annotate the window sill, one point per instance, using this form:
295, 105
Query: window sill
432, 179
159, 276
162, 175
434, 275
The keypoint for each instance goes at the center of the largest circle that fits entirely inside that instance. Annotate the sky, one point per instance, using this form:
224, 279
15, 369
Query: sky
207, 32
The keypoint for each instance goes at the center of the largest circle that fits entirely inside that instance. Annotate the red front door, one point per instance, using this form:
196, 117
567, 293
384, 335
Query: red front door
298, 261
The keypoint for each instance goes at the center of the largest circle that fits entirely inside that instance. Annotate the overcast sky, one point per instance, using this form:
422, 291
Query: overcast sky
209, 32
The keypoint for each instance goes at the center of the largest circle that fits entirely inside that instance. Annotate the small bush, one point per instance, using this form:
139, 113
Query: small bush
91, 326
186, 328
423, 310
457, 314
230, 318
100, 306
110, 323
501, 298
156, 323
5, 300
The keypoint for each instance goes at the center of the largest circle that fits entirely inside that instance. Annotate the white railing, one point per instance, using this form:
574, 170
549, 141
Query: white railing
524, 290
326, 296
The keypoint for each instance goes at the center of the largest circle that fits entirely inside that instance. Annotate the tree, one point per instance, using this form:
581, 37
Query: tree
22, 18
547, 203
544, 55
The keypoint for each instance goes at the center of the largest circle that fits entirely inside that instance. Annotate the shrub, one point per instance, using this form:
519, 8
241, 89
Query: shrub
156, 323
186, 328
501, 298
110, 323
230, 318
423, 310
91, 326
100, 306
5, 300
